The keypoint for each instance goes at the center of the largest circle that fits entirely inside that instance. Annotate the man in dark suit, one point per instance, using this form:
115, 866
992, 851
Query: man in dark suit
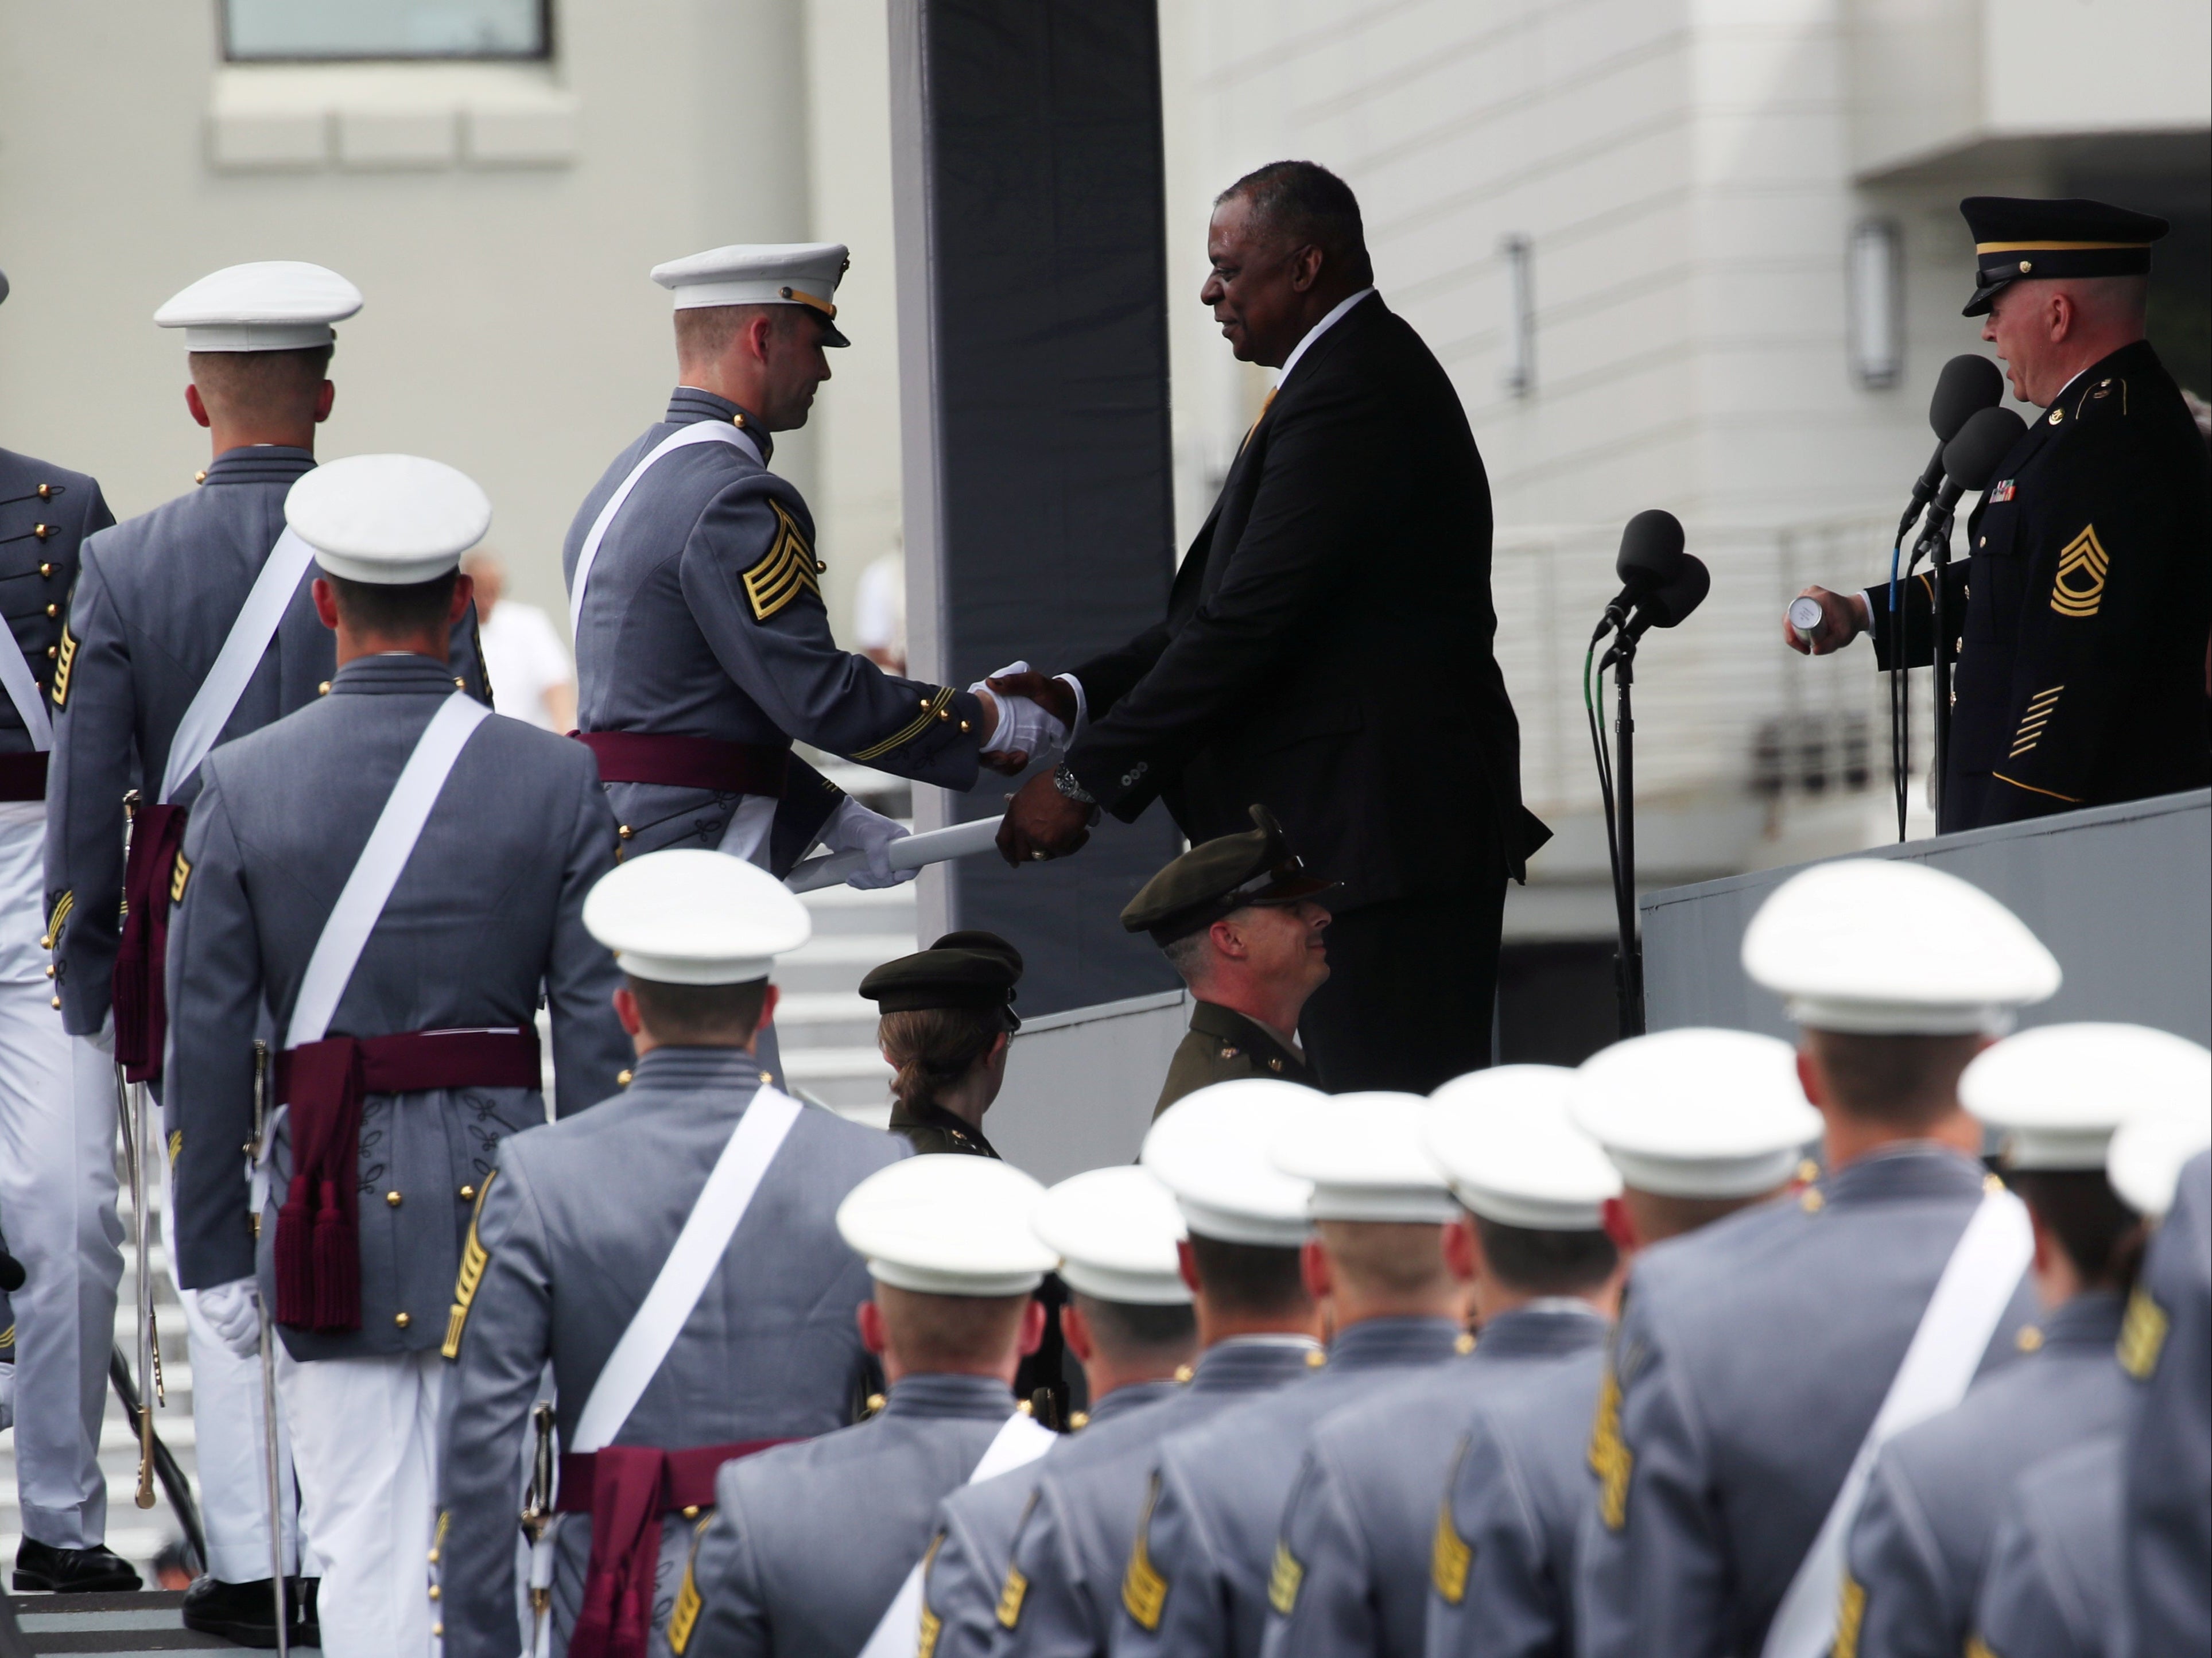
1327, 651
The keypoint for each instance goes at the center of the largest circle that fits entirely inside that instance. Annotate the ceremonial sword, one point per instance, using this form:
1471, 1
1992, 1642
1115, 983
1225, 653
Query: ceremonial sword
255, 1150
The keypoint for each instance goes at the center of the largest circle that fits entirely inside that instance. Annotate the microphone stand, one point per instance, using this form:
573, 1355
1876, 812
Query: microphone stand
1630, 976
1935, 545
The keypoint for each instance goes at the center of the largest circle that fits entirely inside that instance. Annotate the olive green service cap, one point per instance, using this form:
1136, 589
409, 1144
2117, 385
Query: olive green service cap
1219, 876
970, 968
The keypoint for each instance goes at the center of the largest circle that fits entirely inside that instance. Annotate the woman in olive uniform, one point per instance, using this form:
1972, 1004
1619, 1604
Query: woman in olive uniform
947, 1014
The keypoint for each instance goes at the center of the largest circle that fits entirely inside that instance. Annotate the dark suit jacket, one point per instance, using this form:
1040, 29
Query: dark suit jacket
1328, 645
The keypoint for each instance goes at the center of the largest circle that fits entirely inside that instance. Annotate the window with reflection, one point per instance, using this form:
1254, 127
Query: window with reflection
338, 31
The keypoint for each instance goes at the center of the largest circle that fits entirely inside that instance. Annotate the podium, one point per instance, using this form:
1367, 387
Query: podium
2121, 895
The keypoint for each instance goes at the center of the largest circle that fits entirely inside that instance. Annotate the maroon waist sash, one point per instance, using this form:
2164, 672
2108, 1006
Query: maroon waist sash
23, 776
626, 1489
688, 762
323, 1083
142, 1006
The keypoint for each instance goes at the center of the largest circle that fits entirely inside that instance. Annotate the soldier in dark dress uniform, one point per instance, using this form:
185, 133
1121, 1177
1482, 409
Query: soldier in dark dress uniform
1241, 918
2083, 605
947, 1016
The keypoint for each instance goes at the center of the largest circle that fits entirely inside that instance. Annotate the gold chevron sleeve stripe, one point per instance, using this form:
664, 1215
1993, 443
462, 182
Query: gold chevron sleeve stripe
931, 710
2070, 799
474, 1259
788, 570
1143, 1591
64, 659
1610, 1460
2080, 587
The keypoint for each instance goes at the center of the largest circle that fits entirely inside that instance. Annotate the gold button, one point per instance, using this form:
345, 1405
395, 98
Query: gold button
54, 610
691, 1511
459, 683
769, 1077
819, 567
875, 1403
433, 1591
945, 714
737, 419
1026, 1408
323, 690
1274, 1064
2027, 265
963, 723
468, 1194
52, 650
58, 1001
1228, 1053
50, 966
42, 531
438, 1629
925, 702
621, 1078
199, 478
2104, 382
1078, 1419
1182, 1373
402, 1320
1315, 1359
46, 570
433, 1557
1808, 1170
622, 831
1463, 1343
393, 1199
1993, 1184
45, 941
45, 492
2029, 1339
1812, 1200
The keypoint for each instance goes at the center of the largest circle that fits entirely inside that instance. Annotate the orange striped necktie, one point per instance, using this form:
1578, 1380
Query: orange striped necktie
1266, 403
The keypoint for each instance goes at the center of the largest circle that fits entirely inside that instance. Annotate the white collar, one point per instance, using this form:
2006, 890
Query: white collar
1316, 331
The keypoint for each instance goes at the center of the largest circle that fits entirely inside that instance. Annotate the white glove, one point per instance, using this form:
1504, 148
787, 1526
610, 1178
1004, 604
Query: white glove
1023, 723
853, 828
233, 1311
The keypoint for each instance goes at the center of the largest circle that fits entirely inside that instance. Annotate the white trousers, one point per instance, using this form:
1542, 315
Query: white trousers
365, 1444
58, 1208
231, 1447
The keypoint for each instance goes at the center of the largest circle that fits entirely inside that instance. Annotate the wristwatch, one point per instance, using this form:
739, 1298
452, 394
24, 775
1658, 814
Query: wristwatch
1064, 780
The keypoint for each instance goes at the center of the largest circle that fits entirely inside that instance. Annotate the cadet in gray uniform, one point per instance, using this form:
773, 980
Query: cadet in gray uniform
1207, 1564
2166, 1347
1699, 1124
1753, 1357
1362, 1522
577, 1226
816, 1550
1128, 1321
398, 875
1922, 1538
2053, 1588
158, 599
57, 1157
702, 646
1256, 1324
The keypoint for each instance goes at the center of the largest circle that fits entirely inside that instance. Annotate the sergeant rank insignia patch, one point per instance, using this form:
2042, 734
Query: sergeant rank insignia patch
2081, 585
789, 569
1283, 1581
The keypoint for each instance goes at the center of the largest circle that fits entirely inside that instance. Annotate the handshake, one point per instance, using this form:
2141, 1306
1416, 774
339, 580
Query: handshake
1033, 717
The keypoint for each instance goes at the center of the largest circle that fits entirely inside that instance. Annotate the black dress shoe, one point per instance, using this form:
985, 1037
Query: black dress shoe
72, 1571
246, 1612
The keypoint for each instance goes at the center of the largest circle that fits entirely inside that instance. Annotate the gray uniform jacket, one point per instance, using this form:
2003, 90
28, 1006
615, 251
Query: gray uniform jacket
1361, 1523
2053, 1587
809, 1543
570, 1234
2165, 1346
488, 908
1074, 1542
154, 603
703, 617
966, 1588
1502, 1577
46, 513
1749, 1361
1206, 1563
1922, 1537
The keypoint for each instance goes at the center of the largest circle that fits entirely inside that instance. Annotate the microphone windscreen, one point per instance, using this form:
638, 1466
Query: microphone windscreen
1967, 385
1650, 549
1681, 593
12, 1272
1971, 459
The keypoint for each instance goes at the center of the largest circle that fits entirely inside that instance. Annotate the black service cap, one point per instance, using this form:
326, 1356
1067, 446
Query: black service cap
1217, 876
2017, 237
970, 969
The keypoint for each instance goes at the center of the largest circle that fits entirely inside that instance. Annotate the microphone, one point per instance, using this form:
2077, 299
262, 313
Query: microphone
12, 1272
1666, 606
1650, 556
1967, 385
1971, 458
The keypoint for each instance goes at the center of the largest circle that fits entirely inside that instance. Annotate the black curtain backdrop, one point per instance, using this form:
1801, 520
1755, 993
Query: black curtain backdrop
1043, 184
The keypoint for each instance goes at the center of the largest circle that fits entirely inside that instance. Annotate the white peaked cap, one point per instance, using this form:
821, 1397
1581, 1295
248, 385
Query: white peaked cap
1697, 1113
2057, 1092
947, 1226
688, 917
1879, 946
1367, 1159
390, 519
1116, 1231
761, 273
2149, 1150
272, 305
1210, 1148
1503, 1139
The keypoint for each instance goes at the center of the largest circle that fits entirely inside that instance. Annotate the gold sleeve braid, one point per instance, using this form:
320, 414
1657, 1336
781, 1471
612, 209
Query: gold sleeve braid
474, 1259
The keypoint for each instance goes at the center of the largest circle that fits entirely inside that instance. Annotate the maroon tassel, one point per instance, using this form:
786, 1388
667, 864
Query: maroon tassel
295, 1272
337, 1267
631, 1621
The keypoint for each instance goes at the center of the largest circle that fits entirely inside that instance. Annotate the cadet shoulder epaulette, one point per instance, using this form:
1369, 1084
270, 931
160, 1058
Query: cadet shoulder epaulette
2107, 399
